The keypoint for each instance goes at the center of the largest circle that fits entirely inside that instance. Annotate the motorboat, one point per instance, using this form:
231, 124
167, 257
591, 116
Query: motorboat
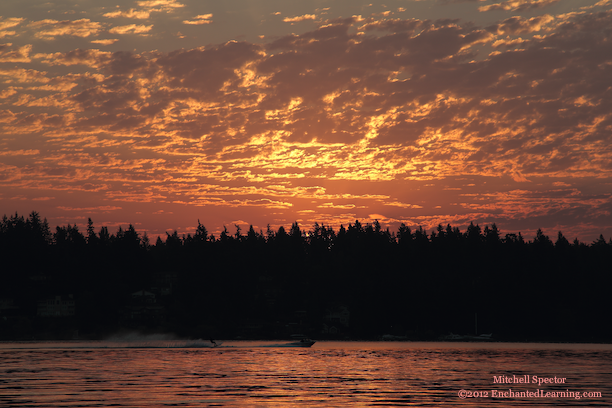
302, 343
299, 341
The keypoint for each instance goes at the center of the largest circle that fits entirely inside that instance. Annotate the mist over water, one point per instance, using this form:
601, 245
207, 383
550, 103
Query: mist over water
135, 339
242, 374
137, 336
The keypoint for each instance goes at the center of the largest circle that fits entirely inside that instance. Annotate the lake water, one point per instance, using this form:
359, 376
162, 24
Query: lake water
330, 374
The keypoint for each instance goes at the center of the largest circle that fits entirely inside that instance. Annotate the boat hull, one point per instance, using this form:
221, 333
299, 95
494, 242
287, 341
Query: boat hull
303, 343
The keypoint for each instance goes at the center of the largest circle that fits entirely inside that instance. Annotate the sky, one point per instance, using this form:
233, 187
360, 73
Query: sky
160, 113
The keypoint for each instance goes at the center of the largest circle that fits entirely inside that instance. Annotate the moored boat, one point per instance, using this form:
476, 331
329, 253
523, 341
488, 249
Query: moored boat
459, 337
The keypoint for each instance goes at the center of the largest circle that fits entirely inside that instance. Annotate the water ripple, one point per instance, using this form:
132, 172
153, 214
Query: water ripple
329, 374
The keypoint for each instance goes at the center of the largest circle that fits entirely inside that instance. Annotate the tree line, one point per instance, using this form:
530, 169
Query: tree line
408, 282
32, 231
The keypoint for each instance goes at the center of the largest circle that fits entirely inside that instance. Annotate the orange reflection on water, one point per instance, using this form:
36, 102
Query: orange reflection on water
240, 374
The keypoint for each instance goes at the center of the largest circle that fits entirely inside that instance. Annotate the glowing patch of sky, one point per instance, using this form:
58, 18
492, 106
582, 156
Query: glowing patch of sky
162, 112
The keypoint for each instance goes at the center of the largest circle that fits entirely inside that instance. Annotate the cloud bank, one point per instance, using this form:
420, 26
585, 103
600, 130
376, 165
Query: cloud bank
357, 116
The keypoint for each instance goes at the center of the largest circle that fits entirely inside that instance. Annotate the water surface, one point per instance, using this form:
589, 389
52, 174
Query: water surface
330, 374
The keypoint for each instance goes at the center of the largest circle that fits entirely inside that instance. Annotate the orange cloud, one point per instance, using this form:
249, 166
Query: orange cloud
337, 206
350, 119
103, 208
105, 42
199, 20
21, 75
19, 55
20, 152
49, 29
518, 25
162, 4
92, 58
299, 18
147, 7
518, 5
9, 23
131, 13
131, 29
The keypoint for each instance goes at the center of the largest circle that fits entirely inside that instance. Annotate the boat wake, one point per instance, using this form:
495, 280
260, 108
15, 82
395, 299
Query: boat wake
156, 344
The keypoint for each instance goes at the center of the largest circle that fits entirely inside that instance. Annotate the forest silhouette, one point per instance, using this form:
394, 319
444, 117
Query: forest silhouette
358, 282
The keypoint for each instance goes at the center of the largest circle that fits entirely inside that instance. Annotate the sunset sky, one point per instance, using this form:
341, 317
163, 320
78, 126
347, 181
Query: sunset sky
162, 112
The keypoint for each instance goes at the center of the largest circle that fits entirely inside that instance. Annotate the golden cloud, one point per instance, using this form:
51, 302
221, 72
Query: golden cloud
9, 23
105, 42
163, 4
131, 29
89, 57
299, 18
19, 55
518, 5
131, 13
199, 20
49, 29
326, 120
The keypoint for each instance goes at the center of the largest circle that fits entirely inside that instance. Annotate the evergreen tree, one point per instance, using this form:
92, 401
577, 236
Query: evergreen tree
201, 234
542, 240
562, 242
91, 234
